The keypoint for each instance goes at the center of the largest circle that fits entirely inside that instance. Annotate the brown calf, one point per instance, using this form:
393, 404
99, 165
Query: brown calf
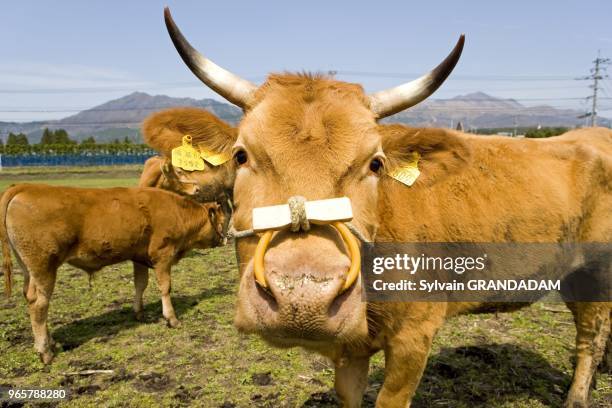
47, 226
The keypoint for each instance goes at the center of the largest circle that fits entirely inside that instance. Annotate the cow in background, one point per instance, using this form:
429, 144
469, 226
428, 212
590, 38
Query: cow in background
214, 183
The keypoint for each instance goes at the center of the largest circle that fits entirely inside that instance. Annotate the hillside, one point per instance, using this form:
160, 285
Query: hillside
479, 110
122, 117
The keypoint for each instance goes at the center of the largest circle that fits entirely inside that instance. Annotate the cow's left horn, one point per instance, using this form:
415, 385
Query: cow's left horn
230, 86
390, 101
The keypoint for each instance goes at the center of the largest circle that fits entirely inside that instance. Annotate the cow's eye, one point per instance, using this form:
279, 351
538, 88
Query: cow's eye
240, 157
376, 165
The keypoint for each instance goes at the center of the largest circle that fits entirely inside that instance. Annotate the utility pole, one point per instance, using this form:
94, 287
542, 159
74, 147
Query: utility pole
597, 74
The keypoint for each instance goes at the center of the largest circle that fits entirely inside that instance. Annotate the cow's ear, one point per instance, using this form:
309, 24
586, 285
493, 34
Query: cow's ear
441, 152
164, 130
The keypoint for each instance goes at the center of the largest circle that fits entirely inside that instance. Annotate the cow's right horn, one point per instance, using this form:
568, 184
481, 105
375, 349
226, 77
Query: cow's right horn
390, 101
230, 86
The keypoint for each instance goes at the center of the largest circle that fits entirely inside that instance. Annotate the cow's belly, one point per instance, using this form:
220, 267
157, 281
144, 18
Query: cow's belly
92, 255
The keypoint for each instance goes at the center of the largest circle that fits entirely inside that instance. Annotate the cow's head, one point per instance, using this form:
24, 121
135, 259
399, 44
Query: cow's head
214, 183
316, 137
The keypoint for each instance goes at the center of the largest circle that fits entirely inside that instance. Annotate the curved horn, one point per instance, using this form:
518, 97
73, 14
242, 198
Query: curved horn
230, 86
390, 101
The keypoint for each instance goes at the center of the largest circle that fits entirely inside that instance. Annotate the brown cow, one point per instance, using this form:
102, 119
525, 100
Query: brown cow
214, 183
47, 226
316, 137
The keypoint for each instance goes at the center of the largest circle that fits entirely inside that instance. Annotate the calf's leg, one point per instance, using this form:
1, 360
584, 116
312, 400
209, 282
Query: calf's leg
592, 331
141, 280
162, 272
26, 275
351, 380
38, 295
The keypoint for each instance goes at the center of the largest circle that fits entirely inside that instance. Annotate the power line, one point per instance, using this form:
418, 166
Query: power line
87, 110
190, 84
457, 77
597, 74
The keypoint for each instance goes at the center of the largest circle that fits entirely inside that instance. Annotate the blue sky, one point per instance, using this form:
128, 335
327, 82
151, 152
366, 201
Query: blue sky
61, 57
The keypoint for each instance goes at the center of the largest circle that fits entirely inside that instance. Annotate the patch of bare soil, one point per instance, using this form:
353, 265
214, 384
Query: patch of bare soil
153, 382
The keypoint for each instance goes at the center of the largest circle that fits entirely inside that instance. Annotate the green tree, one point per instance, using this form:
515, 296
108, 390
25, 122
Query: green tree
89, 141
545, 132
47, 137
17, 139
126, 140
61, 137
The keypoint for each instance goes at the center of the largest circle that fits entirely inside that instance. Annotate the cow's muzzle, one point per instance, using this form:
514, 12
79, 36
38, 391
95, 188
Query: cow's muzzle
297, 215
347, 237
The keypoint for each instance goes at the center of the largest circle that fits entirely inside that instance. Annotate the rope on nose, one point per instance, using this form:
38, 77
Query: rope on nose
297, 208
300, 222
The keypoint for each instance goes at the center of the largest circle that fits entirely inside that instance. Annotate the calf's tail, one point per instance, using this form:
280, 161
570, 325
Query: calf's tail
7, 264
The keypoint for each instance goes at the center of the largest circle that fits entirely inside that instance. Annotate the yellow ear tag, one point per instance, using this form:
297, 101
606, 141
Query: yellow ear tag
186, 156
214, 158
407, 173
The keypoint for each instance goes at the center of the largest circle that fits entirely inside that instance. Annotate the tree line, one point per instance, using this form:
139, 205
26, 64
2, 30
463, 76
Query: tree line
53, 137
54, 142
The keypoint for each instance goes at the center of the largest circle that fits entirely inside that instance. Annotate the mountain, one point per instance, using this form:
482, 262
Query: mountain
479, 110
119, 118
122, 117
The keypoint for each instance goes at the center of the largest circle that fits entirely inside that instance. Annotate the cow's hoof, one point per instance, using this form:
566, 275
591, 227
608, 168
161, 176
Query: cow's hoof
139, 316
605, 366
46, 357
173, 322
576, 404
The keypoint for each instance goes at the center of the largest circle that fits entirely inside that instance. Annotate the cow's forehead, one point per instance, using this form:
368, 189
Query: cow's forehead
314, 127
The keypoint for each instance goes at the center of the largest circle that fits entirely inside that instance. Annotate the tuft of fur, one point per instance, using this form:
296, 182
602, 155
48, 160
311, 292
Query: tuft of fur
308, 87
165, 130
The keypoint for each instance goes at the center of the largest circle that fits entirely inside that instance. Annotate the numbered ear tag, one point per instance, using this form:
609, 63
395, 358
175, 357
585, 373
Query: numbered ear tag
186, 156
407, 173
214, 158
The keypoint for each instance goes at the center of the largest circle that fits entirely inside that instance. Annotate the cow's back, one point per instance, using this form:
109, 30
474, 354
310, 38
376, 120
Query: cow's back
64, 223
39, 219
500, 189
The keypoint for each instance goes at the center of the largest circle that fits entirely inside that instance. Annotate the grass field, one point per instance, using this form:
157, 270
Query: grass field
94, 176
523, 359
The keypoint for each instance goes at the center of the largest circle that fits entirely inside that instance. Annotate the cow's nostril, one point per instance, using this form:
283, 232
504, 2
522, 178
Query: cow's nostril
267, 295
343, 294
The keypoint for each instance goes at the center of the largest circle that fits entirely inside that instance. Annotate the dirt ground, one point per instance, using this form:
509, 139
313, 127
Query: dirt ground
521, 359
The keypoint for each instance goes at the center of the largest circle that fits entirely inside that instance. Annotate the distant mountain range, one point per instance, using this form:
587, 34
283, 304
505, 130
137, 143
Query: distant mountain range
479, 110
122, 117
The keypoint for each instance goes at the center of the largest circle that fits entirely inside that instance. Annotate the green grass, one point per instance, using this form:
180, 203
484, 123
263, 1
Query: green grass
80, 182
73, 170
521, 359
85, 176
